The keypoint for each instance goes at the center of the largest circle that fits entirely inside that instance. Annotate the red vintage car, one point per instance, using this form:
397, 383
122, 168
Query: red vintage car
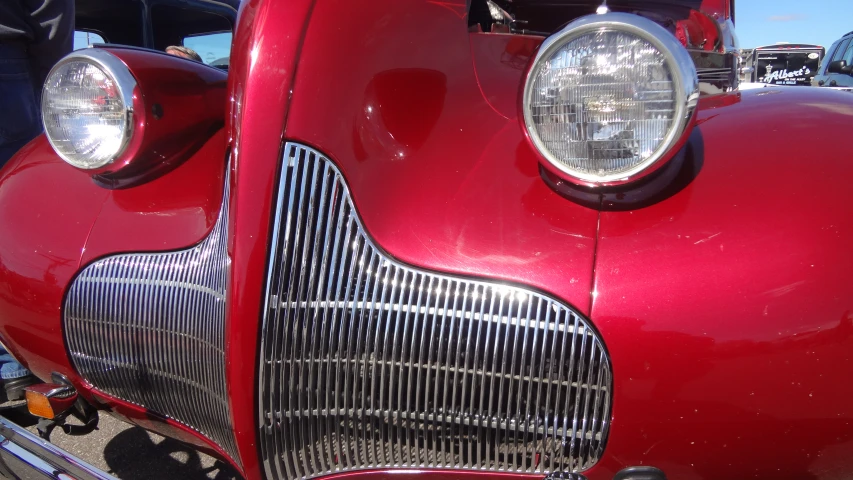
440, 239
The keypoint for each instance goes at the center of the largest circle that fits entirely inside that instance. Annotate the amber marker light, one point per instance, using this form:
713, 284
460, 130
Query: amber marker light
48, 400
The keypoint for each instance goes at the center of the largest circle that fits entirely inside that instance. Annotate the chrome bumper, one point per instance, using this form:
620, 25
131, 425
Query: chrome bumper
26, 456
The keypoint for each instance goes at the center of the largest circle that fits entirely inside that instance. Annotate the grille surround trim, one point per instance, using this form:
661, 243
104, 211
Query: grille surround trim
306, 430
149, 329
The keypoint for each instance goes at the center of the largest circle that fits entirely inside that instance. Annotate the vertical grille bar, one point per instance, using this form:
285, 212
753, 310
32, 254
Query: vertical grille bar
369, 363
149, 328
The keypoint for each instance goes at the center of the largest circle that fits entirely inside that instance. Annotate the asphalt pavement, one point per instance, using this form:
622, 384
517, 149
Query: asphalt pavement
131, 453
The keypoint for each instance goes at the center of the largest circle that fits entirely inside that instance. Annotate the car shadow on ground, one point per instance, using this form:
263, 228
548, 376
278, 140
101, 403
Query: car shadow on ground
134, 455
130, 452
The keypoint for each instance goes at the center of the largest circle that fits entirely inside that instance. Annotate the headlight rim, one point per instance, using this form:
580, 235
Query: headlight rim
126, 85
685, 81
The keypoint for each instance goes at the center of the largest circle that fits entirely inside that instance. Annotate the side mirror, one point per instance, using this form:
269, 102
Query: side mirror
840, 66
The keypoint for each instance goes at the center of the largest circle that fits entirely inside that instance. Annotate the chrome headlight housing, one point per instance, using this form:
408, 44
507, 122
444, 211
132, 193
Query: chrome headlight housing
87, 108
608, 98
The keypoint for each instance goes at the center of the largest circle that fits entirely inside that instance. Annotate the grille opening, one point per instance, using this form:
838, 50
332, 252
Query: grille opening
370, 363
148, 328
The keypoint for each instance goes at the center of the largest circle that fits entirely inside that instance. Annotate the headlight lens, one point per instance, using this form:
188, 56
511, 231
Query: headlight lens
87, 108
608, 96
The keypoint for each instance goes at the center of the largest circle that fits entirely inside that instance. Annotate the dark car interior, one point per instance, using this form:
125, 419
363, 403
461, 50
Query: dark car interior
154, 24
171, 24
116, 21
544, 17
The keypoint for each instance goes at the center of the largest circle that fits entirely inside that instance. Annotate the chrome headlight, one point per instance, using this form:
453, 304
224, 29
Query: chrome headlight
608, 97
87, 108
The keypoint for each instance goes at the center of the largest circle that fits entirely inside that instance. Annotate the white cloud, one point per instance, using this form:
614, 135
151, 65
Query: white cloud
787, 18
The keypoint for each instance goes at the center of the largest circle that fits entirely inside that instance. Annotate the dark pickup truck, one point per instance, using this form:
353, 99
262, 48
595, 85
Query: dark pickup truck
786, 64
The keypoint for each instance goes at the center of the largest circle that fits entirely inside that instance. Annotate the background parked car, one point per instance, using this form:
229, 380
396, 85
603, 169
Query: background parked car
836, 68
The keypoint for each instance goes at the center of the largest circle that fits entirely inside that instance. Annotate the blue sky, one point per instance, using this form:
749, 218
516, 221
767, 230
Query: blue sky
765, 22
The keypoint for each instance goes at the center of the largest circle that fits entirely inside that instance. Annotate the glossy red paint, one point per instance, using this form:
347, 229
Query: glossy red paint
43, 238
500, 64
719, 9
168, 213
727, 307
729, 347
700, 31
56, 220
178, 105
264, 61
456, 190
449, 187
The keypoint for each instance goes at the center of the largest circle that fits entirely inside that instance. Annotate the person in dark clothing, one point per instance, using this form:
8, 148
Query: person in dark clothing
34, 35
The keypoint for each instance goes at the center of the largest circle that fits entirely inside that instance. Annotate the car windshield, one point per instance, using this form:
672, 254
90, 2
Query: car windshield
214, 48
83, 39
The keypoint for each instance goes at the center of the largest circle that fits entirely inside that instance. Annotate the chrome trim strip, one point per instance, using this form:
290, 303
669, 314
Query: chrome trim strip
149, 328
366, 362
717, 72
24, 455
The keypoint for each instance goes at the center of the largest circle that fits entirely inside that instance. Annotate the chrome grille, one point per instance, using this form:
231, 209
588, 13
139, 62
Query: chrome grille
369, 363
149, 328
718, 70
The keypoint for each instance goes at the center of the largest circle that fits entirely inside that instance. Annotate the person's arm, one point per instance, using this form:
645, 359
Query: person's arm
52, 22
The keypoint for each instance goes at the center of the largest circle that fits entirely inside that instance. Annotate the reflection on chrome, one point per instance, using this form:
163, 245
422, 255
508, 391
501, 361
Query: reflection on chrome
608, 96
367, 362
149, 328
